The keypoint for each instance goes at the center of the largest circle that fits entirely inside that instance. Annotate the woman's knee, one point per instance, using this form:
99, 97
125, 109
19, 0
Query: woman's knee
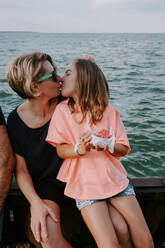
55, 237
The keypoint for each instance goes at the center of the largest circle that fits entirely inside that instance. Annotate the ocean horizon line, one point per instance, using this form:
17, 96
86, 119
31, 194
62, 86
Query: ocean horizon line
44, 32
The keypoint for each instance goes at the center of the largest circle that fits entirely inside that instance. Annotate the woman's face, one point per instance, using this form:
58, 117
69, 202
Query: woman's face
49, 87
69, 82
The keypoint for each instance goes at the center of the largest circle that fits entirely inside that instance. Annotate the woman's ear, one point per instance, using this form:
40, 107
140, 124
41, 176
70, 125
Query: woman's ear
35, 87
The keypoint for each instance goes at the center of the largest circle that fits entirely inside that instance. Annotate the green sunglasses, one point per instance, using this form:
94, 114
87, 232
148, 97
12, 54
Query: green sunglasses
52, 75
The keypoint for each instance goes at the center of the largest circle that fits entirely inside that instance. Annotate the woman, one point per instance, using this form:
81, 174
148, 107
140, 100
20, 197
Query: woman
34, 77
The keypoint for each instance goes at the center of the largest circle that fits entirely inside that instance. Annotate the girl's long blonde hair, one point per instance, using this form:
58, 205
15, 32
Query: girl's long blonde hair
92, 89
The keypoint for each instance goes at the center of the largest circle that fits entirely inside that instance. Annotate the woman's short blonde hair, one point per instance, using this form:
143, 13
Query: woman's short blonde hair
25, 69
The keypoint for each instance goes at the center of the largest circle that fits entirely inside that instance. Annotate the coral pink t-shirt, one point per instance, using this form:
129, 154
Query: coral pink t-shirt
98, 174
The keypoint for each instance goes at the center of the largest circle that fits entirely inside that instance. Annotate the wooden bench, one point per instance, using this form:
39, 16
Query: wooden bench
150, 193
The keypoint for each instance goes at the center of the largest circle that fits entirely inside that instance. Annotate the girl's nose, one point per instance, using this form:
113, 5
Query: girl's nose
62, 80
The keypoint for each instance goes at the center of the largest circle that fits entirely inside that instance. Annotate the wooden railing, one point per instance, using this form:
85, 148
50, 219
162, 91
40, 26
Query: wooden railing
150, 193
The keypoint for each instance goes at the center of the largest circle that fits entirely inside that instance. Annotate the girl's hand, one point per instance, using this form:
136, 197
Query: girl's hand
106, 144
84, 143
39, 212
98, 148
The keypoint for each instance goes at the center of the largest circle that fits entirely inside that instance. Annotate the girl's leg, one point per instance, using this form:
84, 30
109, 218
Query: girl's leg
55, 237
97, 218
120, 227
128, 206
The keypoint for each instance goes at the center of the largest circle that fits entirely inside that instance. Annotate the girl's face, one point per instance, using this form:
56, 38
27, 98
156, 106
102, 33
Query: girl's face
69, 82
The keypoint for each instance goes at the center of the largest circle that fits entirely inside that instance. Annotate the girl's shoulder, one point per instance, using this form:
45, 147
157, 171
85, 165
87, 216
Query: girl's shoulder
62, 109
112, 110
63, 106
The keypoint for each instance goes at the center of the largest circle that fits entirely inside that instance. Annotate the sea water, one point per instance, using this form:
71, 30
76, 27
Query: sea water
134, 65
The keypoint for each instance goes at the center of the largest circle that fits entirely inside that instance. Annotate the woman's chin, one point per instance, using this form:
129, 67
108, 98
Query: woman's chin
57, 94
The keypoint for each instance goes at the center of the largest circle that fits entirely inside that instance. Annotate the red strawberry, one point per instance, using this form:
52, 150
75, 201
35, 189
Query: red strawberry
103, 134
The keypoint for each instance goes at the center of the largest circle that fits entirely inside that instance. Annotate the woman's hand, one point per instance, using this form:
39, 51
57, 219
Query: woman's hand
87, 57
39, 212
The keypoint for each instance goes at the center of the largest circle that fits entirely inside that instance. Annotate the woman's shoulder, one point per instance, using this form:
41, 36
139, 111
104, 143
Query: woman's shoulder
12, 117
13, 123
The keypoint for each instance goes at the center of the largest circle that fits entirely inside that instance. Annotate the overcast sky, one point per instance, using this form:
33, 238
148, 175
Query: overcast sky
112, 16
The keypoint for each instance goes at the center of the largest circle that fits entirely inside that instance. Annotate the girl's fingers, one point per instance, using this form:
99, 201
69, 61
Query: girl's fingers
85, 135
106, 148
85, 138
85, 142
92, 146
88, 148
98, 148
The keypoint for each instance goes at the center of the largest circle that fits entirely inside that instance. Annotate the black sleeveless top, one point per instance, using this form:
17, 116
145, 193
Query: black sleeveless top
41, 158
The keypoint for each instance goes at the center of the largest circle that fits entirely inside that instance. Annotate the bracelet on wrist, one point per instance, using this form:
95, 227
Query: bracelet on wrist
76, 149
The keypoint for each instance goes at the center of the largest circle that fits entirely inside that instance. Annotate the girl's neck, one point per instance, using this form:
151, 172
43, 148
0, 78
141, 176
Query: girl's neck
76, 105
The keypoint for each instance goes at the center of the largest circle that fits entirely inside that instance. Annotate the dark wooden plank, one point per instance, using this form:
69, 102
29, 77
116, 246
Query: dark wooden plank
148, 182
140, 184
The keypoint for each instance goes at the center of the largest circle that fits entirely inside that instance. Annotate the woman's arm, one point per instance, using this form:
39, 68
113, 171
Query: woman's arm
24, 180
39, 209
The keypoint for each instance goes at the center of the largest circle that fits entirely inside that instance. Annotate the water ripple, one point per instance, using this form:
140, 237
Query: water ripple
134, 65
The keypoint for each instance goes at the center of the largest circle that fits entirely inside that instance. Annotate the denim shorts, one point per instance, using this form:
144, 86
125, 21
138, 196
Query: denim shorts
83, 203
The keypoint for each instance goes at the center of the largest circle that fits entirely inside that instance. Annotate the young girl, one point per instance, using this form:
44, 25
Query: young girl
94, 176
